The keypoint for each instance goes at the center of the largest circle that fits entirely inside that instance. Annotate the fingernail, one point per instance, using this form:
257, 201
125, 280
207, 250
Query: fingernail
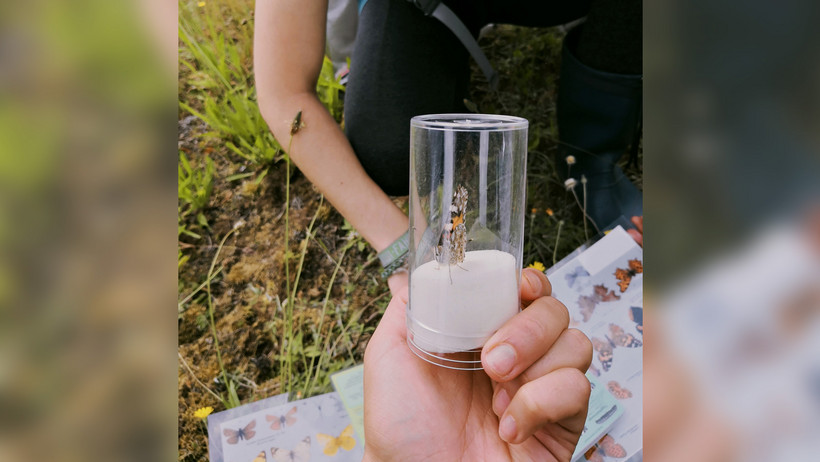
501, 359
534, 282
507, 429
502, 400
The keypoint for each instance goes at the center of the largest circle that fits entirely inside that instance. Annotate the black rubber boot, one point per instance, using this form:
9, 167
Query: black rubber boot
599, 115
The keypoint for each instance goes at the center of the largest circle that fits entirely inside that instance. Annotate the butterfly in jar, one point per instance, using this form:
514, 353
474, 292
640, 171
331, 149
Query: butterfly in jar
245, 433
625, 275
452, 243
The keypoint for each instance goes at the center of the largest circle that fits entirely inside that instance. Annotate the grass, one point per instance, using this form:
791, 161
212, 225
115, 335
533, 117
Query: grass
276, 290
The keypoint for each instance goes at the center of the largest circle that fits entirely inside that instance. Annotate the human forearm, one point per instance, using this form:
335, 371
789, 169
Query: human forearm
324, 155
288, 51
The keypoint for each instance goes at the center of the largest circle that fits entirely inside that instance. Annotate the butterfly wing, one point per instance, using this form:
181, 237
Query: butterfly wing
587, 305
621, 338
611, 448
604, 349
290, 417
593, 454
260, 457
276, 421
331, 447
301, 453
248, 432
570, 277
624, 278
346, 440
232, 435
302, 450
636, 315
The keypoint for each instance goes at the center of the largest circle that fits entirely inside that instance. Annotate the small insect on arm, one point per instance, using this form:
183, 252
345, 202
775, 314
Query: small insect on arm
296, 124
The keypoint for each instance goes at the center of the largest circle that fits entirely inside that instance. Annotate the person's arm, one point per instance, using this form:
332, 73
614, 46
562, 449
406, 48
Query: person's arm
289, 43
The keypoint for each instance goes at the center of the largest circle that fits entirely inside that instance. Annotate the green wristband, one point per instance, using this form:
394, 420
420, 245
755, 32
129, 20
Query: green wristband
397, 265
396, 250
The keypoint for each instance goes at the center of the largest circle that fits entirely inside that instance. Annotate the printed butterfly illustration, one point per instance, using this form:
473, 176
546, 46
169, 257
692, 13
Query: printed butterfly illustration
579, 276
623, 339
587, 306
245, 433
282, 421
260, 457
331, 444
594, 370
301, 453
625, 276
587, 303
619, 339
602, 295
333, 406
453, 240
605, 447
617, 391
636, 315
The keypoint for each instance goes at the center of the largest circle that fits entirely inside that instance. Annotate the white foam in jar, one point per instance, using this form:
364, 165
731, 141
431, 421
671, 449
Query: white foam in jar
458, 307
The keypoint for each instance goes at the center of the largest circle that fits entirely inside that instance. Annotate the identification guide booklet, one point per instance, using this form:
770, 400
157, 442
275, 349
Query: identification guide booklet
602, 287
273, 429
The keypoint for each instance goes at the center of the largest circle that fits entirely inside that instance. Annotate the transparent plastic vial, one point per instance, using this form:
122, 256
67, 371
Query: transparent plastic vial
468, 177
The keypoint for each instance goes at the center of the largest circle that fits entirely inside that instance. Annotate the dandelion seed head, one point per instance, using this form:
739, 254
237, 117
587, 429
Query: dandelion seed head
570, 183
570, 160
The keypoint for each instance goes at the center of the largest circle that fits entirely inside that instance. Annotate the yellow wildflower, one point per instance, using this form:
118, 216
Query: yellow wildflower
533, 211
550, 212
537, 265
203, 412
200, 4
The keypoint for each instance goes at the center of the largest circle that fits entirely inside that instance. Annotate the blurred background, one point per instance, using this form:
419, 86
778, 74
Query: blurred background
88, 149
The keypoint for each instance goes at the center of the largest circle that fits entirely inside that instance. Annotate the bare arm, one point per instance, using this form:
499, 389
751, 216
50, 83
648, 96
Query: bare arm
289, 43
288, 50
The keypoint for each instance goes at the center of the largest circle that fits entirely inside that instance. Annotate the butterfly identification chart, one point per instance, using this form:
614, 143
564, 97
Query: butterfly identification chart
313, 429
602, 288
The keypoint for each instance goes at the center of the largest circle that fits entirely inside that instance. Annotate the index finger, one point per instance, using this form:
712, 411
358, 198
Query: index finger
534, 285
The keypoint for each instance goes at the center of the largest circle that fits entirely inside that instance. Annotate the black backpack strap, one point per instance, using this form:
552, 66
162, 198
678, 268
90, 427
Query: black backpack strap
444, 14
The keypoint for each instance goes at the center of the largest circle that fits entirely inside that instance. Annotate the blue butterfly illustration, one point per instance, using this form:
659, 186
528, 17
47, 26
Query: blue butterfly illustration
579, 276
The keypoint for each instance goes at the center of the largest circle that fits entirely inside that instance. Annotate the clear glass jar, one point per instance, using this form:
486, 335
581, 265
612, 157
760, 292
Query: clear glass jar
468, 176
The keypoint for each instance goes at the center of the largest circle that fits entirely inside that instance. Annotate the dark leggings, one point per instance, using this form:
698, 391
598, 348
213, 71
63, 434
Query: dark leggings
405, 64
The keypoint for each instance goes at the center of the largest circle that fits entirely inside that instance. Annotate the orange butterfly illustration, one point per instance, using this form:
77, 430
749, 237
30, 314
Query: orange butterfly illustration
282, 421
625, 276
605, 348
245, 433
602, 295
617, 391
605, 447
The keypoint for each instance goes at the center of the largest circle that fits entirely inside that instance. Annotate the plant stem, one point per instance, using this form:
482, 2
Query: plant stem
285, 372
322, 316
557, 236
211, 308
